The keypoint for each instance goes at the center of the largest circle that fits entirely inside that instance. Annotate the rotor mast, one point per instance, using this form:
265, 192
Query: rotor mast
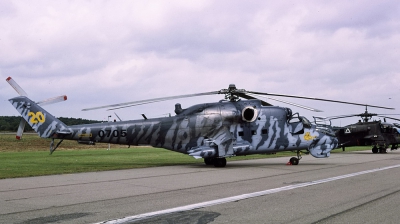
232, 93
366, 116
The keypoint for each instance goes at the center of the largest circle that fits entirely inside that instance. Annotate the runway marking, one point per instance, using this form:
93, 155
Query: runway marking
238, 197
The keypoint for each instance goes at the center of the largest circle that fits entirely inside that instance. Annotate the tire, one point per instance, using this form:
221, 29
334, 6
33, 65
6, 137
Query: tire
294, 161
209, 161
219, 162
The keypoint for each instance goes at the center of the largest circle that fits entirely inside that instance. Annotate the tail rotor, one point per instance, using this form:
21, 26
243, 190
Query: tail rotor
22, 92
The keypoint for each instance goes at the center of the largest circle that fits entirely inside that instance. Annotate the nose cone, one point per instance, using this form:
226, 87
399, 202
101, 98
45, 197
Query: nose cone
322, 146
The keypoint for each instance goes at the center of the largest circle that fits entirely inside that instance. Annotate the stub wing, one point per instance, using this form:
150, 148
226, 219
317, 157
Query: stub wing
220, 145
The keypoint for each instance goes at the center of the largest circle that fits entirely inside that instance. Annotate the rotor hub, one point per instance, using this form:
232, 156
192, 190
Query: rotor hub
232, 93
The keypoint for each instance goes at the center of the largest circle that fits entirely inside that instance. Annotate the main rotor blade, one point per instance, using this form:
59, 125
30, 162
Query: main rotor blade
134, 103
320, 99
390, 118
342, 116
359, 115
253, 98
293, 104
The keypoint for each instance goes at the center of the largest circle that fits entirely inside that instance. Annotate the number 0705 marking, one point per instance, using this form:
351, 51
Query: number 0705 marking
115, 133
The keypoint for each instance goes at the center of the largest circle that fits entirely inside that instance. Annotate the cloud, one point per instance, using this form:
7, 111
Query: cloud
106, 52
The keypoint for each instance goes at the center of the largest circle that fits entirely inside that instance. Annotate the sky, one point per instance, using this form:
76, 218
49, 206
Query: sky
106, 52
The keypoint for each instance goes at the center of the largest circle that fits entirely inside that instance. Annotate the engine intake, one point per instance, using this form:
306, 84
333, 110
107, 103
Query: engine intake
249, 114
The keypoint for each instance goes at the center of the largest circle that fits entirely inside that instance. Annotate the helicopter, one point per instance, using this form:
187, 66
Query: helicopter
238, 125
378, 134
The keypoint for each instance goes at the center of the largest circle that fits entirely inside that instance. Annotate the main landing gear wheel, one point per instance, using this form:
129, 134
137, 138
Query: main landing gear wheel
209, 161
219, 162
374, 150
382, 150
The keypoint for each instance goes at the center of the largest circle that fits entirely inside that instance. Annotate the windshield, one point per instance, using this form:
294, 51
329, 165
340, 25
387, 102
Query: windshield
306, 122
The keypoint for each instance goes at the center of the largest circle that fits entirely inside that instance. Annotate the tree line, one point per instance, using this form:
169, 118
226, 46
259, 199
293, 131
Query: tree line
11, 123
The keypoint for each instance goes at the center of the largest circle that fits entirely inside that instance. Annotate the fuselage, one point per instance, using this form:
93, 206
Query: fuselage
256, 128
222, 129
373, 133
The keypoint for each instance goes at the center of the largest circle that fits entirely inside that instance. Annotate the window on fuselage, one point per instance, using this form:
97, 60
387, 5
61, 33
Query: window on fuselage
306, 122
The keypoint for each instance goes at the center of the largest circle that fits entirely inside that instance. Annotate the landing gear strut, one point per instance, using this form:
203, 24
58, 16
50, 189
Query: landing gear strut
381, 149
52, 148
295, 160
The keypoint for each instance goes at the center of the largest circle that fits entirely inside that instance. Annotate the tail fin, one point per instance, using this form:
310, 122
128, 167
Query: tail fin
45, 124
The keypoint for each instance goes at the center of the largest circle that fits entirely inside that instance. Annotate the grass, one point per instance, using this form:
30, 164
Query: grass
30, 157
22, 164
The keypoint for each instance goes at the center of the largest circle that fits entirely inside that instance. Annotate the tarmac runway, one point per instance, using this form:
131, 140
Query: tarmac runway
351, 187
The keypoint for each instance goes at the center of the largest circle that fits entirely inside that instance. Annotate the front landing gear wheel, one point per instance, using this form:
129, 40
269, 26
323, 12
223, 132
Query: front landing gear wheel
294, 161
219, 162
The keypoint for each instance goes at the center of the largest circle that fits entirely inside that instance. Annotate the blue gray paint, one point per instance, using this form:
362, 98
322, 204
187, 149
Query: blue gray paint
222, 129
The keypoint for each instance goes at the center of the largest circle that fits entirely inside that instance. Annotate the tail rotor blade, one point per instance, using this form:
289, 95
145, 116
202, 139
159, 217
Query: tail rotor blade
17, 88
21, 128
21, 92
52, 100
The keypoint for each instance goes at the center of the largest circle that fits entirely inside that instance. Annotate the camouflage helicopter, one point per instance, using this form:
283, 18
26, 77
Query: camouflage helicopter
378, 134
211, 131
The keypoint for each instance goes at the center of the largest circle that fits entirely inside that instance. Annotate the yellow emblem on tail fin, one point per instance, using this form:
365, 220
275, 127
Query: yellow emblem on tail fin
36, 118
